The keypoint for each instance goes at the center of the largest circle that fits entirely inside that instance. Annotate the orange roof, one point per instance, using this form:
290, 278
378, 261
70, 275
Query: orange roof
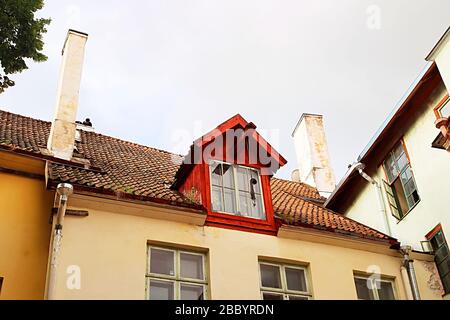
299, 204
107, 165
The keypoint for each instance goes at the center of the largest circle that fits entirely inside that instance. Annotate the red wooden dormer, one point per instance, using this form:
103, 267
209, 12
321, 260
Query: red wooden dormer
228, 171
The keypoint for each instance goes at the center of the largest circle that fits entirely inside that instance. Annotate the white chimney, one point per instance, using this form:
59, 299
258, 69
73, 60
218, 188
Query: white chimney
312, 154
62, 134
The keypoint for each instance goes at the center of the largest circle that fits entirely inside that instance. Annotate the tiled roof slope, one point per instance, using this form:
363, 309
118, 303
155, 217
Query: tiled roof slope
291, 204
121, 167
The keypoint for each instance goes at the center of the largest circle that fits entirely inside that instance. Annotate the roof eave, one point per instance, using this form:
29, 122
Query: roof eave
438, 46
430, 67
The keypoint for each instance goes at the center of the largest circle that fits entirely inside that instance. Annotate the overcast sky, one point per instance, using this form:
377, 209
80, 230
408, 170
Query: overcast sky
154, 69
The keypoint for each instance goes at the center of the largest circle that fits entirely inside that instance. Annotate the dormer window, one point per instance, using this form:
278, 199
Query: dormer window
236, 190
227, 171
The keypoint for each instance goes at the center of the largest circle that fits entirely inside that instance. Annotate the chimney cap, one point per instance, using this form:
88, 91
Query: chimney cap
77, 32
74, 32
305, 115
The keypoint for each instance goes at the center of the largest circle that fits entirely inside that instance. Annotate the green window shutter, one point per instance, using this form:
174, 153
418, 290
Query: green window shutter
393, 202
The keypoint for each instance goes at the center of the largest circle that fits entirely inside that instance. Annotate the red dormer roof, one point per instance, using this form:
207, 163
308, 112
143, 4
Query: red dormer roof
247, 130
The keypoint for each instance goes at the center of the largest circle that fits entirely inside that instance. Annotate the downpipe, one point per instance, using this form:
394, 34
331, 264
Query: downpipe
64, 190
360, 167
409, 265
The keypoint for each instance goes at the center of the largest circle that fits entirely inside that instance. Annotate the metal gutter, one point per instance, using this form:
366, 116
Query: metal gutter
396, 109
385, 125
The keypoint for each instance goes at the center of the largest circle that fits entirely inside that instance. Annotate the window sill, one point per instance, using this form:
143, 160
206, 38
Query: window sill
230, 221
234, 215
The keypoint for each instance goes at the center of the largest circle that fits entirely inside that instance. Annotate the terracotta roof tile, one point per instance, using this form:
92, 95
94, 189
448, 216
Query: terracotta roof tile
122, 167
295, 204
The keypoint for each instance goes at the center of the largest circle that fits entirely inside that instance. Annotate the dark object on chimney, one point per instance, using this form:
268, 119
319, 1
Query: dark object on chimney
87, 122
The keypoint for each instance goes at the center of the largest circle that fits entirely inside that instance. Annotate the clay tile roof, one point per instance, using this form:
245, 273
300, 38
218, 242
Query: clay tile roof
121, 168
298, 204
116, 166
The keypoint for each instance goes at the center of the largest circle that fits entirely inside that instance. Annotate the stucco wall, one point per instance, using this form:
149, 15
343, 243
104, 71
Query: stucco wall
430, 169
25, 208
110, 250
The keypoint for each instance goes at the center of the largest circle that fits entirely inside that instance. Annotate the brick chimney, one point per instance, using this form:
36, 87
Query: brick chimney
62, 134
312, 154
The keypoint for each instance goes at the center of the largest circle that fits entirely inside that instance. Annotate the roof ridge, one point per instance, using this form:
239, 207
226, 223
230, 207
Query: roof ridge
295, 182
95, 133
300, 183
22, 116
133, 143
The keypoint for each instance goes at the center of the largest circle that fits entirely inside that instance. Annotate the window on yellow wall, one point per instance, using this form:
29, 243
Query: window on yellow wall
400, 186
175, 275
368, 288
284, 282
1, 284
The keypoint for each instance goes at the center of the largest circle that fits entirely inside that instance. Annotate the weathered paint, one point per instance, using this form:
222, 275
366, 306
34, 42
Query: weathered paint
110, 250
25, 208
312, 154
62, 134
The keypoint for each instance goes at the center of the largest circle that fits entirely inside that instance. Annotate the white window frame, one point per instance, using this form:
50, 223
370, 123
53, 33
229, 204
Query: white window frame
373, 284
392, 193
176, 279
236, 189
284, 291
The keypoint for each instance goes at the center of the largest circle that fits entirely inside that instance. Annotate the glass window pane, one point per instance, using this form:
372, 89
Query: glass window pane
217, 204
228, 176
438, 238
398, 150
390, 168
440, 254
162, 262
297, 298
256, 187
244, 202
216, 174
444, 266
272, 296
362, 289
270, 276
229, 200
410, 186
191, 266
385, 290
415, 196
243, 179
402, 162
161, 290
446, 283
257, 207
296, 279
191, 292
445, 109
406, 175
